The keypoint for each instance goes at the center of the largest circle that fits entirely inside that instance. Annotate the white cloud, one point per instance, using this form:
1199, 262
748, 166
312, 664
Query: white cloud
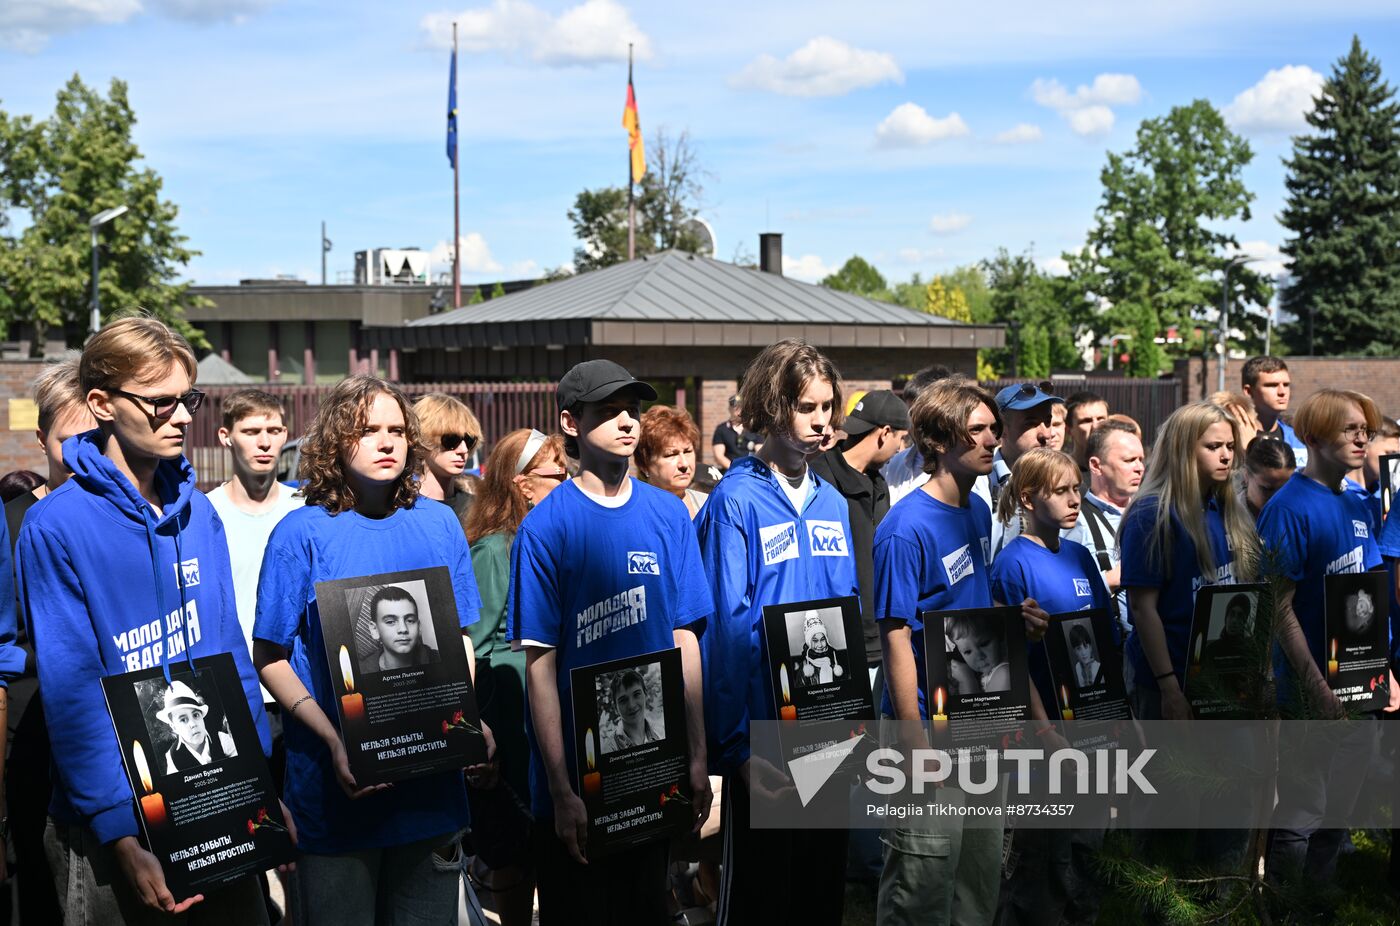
1055, 266
1106, 90
1278, 102
909, 125
1020, 134
919, 255
27, 25
1093, 120
594, 32
476, 256
949, 224
524, 270
808, 267
206, 11
1087, 109
823, 67
1265, 258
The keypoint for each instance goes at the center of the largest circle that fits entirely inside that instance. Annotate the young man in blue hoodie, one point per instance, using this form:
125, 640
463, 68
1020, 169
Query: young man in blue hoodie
605, 568
771, 533
125, 567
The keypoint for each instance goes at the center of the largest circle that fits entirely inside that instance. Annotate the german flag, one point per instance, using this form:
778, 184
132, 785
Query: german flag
633, 125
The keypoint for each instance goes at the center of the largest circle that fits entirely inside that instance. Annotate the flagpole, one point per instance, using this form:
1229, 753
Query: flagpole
456, 197
631, 209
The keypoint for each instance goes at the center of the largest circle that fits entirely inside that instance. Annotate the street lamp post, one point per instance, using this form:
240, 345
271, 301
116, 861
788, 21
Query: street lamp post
102, 218
1224, 335
1112, 341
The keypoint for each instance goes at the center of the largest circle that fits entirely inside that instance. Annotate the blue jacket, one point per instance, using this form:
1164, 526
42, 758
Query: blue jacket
110, 588
759, 551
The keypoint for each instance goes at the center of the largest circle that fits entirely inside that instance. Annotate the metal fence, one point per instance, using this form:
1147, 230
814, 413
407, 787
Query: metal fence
501, 408
1147, 401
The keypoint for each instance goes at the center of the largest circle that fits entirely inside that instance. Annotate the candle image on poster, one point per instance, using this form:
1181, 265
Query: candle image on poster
817, 672
1356, 636
978, 683
630, 749
1390, 481
403, 690
1222, 650
202, 787
1086, 676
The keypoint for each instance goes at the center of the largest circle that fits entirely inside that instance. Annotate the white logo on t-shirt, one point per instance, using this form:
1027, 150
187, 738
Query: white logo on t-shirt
1081, 588
826, 538
958, 565
779, 542
1359, 529
187, 573
1352, 561
642, 563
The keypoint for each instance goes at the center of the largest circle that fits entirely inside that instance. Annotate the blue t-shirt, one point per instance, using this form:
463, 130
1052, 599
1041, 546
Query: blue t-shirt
1314, 532
1061, 581
596, 584
1176, 575
930, 556
309, 546
1300, 449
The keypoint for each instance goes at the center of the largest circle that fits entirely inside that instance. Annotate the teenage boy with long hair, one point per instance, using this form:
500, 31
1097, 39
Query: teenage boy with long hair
369, 854
931, 554
124, 543
1313, 527
772, 532
581, 595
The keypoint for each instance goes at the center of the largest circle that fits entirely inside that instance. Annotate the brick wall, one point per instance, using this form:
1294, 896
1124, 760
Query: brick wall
18, 448
1378, 377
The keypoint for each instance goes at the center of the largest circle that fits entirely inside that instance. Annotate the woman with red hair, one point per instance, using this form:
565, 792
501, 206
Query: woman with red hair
666, 453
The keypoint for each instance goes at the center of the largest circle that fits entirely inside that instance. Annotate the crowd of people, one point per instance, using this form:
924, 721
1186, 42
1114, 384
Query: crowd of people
941, 497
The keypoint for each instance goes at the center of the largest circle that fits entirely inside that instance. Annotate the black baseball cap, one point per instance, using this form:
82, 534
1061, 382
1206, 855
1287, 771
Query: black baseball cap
877, 409
596, 380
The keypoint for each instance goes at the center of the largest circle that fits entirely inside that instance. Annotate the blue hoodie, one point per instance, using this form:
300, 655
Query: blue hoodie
111, 588
759, 551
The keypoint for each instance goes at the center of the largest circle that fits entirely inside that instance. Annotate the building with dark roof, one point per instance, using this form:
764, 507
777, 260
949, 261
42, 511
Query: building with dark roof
687, 323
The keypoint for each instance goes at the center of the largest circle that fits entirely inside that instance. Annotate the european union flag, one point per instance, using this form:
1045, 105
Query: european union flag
452, 113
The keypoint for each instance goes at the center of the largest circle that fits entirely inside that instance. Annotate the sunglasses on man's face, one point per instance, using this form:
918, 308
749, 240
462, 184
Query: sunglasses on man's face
451, 441
164, 406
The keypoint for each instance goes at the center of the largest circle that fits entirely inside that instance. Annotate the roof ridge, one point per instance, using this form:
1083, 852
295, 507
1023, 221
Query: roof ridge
645, 274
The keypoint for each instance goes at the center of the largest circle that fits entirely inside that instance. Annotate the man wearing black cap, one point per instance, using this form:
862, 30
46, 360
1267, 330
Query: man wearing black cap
875, 431
604, 568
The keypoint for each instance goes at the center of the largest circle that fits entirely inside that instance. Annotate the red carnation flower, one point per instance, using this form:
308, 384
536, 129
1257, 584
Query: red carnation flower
251, 827
444, 726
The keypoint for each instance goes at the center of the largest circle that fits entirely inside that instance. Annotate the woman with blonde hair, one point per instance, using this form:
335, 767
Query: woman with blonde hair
522, 469
448, 433
666, 454
1242, 410
1184, 528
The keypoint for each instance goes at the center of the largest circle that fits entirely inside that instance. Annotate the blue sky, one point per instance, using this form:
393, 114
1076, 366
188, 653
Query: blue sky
919, 135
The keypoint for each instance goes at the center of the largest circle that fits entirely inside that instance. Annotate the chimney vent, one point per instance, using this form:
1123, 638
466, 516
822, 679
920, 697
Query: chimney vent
770, 252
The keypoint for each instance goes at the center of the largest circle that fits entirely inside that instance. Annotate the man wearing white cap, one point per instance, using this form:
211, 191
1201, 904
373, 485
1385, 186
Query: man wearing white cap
185, 711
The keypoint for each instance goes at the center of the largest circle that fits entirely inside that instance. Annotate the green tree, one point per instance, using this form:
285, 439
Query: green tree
668, 198
497, 290
1343, 211
59, 172
1036, 306
857, 276
475, 298
946, 301
1155, 253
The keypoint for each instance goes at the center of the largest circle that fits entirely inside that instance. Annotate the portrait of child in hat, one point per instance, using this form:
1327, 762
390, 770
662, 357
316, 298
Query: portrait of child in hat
184, 710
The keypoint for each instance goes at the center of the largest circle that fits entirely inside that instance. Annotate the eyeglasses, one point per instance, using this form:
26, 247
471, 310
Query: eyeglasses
450, 441
164, 406
1029, 389
560, 474
1354, 431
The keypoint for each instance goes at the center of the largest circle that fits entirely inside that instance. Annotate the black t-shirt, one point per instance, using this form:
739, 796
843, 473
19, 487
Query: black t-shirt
736, 443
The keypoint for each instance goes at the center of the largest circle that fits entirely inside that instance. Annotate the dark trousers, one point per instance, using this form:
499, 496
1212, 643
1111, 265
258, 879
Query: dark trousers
28, 785
778, 876
627, 888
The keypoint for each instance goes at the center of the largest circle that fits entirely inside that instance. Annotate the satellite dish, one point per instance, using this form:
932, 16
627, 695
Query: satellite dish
703, 233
